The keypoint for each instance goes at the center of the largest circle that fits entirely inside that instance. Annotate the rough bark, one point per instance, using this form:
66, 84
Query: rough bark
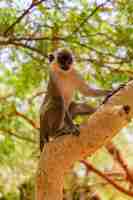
58, 156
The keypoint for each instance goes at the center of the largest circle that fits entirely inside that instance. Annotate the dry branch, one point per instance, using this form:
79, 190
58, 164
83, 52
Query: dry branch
59, 155
112, 149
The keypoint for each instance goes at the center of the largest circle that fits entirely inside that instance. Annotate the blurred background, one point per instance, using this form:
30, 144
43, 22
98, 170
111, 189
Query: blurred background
100, 35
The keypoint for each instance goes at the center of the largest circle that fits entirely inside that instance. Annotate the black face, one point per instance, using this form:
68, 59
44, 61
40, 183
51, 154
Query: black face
65, 59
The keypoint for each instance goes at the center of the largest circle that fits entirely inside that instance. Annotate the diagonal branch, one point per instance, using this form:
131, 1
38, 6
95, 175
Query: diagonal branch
22, 16
89, 16
108, 179
30, 121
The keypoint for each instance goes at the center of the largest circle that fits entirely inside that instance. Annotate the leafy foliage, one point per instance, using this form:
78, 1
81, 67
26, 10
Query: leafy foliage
101, 38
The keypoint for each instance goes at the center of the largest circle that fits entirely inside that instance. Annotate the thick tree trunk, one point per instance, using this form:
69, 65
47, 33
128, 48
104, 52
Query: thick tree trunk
58, 156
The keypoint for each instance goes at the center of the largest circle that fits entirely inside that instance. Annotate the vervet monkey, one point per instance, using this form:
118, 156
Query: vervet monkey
57, 106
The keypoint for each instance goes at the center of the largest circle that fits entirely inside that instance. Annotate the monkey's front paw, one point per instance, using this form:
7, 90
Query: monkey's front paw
68, 130
75, 130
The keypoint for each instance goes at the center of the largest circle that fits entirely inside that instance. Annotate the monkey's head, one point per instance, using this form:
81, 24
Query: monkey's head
64, 57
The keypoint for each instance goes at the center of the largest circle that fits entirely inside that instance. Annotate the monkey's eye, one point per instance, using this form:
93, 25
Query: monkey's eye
65, 67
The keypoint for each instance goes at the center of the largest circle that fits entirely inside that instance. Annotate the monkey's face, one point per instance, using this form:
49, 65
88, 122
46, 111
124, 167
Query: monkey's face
65, 59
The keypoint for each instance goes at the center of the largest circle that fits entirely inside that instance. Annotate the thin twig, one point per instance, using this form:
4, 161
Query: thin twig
10, 132
36, 38
30, 121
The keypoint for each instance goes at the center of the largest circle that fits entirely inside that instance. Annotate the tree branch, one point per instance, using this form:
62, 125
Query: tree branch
35, 38
20, 44
59, 155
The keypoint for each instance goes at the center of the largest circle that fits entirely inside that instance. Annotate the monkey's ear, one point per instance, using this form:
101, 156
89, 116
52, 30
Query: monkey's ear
51, 57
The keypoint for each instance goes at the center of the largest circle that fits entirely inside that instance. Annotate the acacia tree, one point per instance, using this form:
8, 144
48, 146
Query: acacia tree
100, 35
